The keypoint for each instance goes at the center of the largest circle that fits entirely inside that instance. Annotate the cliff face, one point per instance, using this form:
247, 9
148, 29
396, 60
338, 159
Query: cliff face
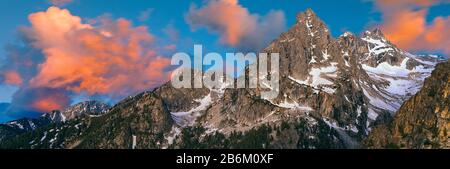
127, 124
423, 121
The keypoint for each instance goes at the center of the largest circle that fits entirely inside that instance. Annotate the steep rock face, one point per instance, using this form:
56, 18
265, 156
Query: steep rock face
178, 100
301, 45
423, 121
237, 109
128, 125
93, 108
87, 108
186, 104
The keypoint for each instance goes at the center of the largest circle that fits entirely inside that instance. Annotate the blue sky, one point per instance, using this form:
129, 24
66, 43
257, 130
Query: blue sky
346, 15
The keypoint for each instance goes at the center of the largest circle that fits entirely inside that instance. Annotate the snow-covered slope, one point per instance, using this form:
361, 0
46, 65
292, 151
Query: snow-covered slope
395, 74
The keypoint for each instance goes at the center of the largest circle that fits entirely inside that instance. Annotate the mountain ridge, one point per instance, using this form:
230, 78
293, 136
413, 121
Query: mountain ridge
15, 128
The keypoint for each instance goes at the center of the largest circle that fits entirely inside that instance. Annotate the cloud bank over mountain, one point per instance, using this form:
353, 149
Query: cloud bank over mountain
235, 25
405, 24
63, 56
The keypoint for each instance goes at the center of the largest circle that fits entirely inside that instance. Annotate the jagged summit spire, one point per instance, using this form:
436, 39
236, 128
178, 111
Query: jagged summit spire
309, 13
376, 33
347, 34
309, 20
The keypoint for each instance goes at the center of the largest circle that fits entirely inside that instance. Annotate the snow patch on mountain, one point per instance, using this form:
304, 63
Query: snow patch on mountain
319, 78
17, 124
391, 84
379, 46
172, 135
293, 105
387, 69
188, 118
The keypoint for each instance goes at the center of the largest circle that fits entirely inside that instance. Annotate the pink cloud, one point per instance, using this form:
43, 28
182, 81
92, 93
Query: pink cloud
108, 57
12, 78
235, 25
99, 60
405, 24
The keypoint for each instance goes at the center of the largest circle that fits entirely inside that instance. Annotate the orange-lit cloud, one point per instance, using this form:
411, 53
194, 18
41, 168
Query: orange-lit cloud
232, 18
63, 57
385, 4
12, 78
110, 58
29, 101
405, 24
235, 24
48, 102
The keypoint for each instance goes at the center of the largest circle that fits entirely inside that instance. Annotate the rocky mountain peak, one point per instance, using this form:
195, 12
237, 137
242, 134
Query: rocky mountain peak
87, 107
349, 40
54, 116
91, 108
304, 44
347, 34
308, 13
375, 33
313, 24
377, 40
381, 49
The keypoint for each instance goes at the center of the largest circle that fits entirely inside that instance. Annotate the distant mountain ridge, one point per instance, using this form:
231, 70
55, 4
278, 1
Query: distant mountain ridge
20, 126
91, 108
